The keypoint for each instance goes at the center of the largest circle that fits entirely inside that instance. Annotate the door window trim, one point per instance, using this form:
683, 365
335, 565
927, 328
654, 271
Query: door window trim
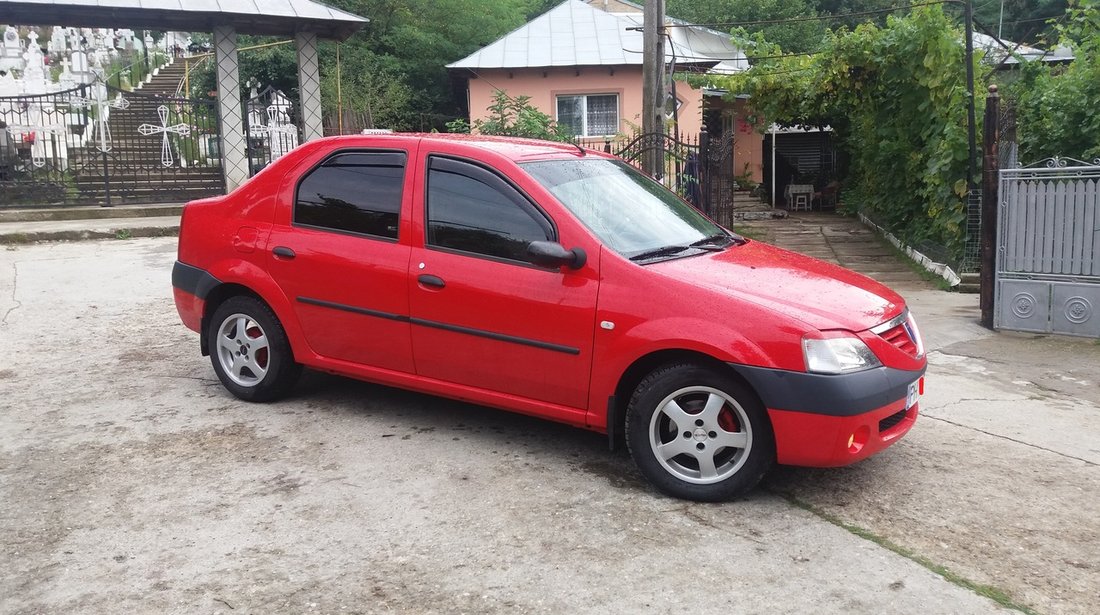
526, 203
326, 229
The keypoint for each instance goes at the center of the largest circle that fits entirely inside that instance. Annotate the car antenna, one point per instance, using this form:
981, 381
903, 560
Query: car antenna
578, 146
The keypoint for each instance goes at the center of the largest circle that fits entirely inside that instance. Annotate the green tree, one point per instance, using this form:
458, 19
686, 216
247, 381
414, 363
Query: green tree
896, 98
1024, 21
797, 36
394, 69
402, 54
1058, 108
516, 117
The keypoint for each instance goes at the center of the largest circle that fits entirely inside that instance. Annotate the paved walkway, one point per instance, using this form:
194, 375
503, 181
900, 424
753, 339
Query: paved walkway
843, 240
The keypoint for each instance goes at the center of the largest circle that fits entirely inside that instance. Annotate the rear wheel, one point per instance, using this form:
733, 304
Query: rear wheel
250, 351
699, 434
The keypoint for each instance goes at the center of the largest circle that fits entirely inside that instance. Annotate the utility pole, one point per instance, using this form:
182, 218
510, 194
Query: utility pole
991, 186
653, 70
970, 112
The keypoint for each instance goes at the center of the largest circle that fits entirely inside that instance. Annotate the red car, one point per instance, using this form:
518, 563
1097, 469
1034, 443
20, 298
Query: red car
553, 281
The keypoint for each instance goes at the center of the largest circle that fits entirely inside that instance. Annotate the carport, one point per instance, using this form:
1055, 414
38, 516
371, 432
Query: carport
305, 20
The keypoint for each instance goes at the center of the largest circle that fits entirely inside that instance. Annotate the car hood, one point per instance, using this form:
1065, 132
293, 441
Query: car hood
820, 294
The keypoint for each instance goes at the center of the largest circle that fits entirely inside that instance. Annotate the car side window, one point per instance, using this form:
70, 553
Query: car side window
471, 209
355, 192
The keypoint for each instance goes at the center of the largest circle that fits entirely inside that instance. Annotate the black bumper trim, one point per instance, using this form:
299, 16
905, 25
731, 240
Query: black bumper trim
193, 280
833, 395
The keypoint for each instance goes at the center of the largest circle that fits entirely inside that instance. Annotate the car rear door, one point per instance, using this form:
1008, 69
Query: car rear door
482, 315
337, 255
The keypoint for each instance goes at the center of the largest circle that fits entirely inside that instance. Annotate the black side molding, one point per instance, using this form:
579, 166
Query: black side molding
193, 280
833, 395
500, 337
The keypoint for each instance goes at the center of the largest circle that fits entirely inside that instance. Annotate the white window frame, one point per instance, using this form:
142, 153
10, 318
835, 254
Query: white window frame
584, 111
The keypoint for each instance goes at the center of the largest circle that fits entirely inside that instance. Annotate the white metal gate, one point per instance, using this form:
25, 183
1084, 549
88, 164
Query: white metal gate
1048, 248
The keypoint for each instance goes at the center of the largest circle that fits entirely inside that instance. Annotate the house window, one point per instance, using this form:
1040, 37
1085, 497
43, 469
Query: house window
589, 115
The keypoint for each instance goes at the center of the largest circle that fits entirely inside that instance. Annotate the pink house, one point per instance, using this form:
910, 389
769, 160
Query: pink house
581, 63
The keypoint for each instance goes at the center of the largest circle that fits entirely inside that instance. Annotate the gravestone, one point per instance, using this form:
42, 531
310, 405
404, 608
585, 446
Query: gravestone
58, 43
11, 51
34, 73
80, 67
10, 86
126, 38
66, 80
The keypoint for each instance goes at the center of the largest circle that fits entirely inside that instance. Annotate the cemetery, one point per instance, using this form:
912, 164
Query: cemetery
84, 109
97, 114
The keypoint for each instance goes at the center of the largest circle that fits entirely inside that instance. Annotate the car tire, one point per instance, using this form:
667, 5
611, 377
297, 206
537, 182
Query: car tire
699, 434
250, 351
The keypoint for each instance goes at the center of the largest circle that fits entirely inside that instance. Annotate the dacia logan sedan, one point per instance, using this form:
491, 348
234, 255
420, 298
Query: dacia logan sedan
554, 281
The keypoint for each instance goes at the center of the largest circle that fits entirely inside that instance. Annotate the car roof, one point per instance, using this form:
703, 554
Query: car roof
513, 148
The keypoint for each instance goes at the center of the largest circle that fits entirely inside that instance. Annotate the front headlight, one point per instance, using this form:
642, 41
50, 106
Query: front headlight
837, 355
914, 333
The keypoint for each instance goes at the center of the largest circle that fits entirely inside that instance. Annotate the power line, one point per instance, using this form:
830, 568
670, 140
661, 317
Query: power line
1019, 21
743, 58
752, 73
760, 22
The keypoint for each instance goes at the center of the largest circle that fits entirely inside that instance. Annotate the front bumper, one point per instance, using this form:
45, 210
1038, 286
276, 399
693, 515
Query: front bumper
834, 420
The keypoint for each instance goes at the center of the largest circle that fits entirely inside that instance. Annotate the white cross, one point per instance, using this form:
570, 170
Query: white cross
100, 102
38, 149
166, 146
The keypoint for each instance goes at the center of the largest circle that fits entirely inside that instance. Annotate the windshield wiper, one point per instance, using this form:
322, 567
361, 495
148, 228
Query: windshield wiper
658, 252
729, 237
711, 242
671, 250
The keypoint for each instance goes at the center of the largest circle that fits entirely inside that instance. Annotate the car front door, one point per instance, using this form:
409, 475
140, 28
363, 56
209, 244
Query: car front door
482, 315
336, 255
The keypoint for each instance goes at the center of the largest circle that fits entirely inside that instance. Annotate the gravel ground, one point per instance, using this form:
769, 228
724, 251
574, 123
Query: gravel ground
130, 481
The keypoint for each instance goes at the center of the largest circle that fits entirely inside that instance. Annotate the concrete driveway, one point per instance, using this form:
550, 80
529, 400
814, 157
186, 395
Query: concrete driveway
130, 481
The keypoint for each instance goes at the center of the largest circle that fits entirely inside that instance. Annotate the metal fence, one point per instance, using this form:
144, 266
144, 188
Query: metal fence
1048, 248
699, 169
272, 127
98, 145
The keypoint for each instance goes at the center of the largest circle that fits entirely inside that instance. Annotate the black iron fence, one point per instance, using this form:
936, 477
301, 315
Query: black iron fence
271, 125
99, 145
698, 168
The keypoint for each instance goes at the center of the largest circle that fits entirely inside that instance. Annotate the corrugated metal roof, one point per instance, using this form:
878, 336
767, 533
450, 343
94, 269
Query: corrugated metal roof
247, 16
997, 51
575, 34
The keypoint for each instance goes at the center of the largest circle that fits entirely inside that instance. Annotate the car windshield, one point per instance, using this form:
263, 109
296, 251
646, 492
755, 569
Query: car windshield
630, 213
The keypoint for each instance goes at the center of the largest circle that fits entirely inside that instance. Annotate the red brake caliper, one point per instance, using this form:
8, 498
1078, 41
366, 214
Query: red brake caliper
727, 421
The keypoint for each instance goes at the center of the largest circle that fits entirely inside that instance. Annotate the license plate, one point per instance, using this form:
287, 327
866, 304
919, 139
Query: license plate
912, 394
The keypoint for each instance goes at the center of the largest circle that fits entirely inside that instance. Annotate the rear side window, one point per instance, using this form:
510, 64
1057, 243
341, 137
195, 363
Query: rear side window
470, 209
358, 192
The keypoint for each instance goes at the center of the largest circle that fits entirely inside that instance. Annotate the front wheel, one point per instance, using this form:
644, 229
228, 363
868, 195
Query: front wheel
698, 434
250, 351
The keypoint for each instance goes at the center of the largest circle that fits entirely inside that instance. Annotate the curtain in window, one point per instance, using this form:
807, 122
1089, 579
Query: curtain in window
603, 115
571, 114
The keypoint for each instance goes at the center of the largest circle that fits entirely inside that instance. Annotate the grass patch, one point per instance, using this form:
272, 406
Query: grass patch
752, 232
995, 594
916, 267
15, 239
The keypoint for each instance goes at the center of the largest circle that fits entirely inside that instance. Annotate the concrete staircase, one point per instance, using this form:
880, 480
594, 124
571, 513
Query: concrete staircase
132, 170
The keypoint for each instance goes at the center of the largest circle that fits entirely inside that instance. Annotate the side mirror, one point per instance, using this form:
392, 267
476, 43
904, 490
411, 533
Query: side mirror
553, 255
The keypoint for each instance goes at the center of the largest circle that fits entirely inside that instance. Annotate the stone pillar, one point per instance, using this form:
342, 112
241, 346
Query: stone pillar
309, 85
232, 138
